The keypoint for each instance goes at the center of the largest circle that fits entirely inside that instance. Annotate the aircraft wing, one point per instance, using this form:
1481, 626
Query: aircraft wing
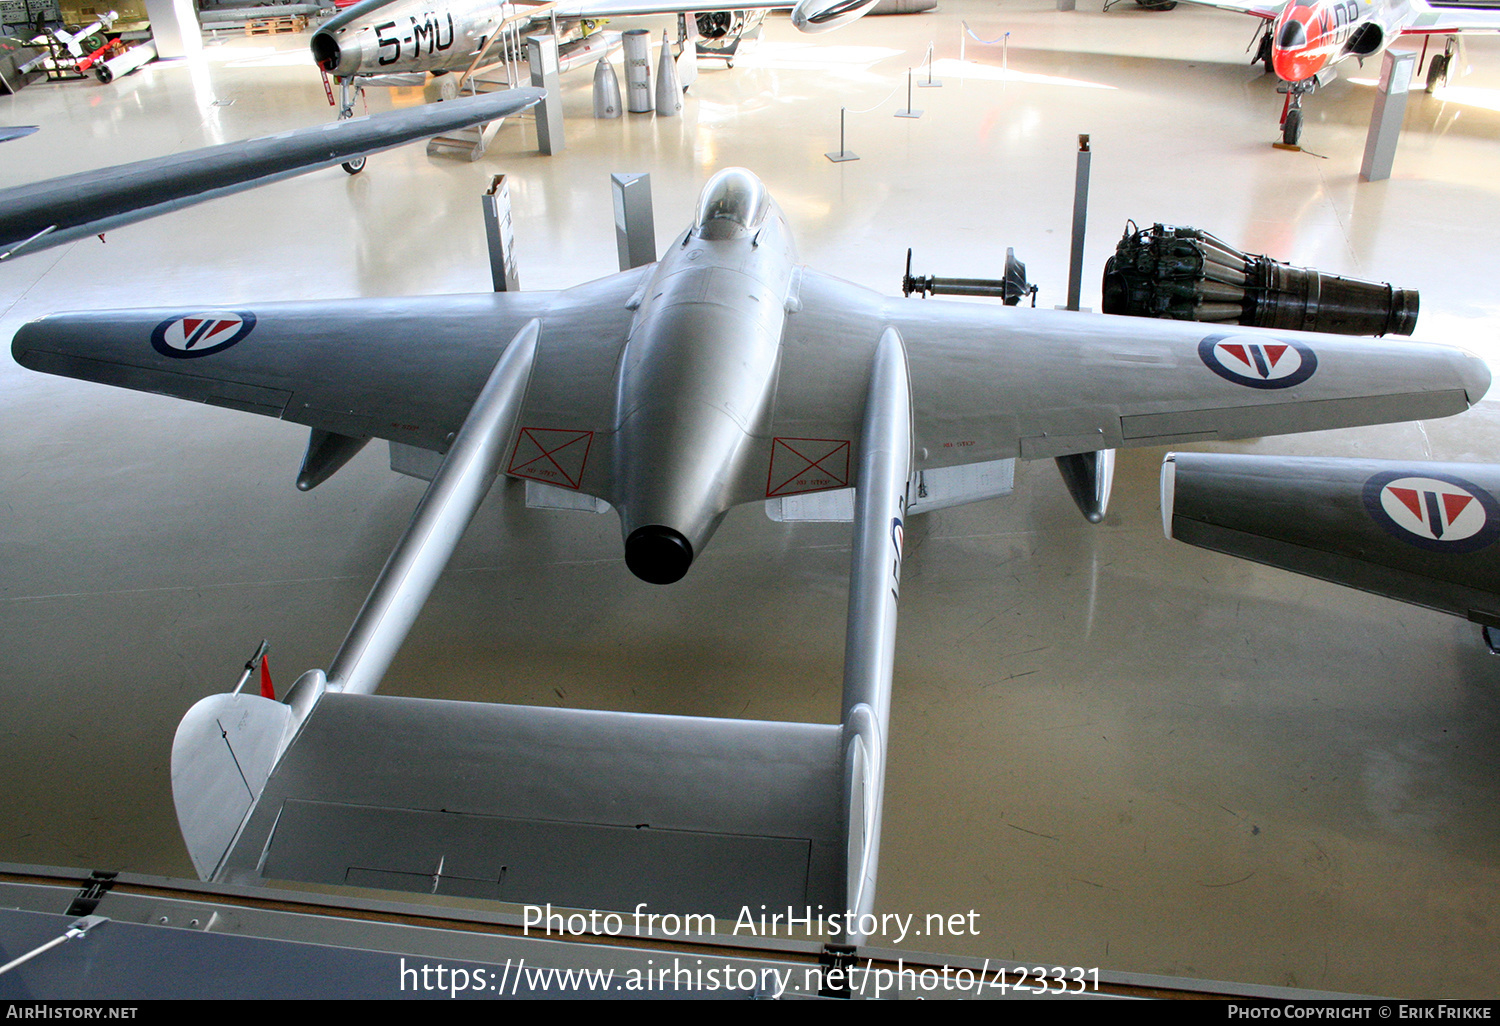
1267, 11
405, 370
1422, 533
34, 217
991, 382
642, 8
1434, 19
988, 382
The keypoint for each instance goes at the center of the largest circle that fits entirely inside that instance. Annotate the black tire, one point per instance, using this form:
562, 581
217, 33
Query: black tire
1291, 129
354, 166
1437, 71
1157, 5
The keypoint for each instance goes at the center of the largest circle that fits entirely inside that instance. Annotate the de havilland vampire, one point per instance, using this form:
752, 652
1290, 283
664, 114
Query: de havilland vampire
725, 373
1305, 39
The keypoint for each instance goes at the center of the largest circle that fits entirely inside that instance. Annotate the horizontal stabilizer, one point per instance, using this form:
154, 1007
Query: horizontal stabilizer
574, 807
1422, 533
221, 756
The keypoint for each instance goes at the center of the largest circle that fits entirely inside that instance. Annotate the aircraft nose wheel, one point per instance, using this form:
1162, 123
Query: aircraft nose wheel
356, 165
1291, 128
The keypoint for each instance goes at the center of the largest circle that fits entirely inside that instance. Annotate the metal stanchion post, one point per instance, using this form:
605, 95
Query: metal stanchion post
1080, 216
843, 153
908, 112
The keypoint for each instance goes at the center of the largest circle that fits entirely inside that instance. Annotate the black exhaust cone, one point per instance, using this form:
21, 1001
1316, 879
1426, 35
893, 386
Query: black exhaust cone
658, 555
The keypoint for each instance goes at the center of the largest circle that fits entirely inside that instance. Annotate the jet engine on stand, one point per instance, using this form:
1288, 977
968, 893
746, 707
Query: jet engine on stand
1190, 275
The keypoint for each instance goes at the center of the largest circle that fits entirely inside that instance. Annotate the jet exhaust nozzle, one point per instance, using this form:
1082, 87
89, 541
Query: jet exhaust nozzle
1189, 275
657, 554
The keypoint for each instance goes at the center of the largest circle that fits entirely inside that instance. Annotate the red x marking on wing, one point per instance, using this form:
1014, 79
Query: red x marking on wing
550, 455
807, 465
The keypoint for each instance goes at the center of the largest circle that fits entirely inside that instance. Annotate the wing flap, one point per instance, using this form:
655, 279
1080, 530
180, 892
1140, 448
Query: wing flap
1319, 415
270, 402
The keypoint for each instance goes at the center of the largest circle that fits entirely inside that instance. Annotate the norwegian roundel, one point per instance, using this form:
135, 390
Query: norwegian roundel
203, 334
1437, 512
1258, 361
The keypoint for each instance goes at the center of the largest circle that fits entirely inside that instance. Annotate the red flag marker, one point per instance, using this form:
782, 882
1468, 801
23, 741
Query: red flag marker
266, 690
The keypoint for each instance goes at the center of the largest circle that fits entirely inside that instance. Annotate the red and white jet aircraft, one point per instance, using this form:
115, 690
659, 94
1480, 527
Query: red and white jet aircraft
1304, 39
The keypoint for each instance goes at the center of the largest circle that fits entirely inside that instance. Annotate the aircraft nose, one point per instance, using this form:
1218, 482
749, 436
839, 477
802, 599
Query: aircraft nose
657, 554
326, 51
1296, 65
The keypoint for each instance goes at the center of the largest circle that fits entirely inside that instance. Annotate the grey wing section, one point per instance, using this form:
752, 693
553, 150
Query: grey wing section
1423, 533
995, 382
992, 383
1267, 11
33, 217
1438, 19
638, 8
406, 370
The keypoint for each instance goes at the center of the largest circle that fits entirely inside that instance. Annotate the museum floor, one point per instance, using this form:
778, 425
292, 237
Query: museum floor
1120, 751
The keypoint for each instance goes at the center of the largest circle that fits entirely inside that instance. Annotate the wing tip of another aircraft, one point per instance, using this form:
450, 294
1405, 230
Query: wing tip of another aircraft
1168, 492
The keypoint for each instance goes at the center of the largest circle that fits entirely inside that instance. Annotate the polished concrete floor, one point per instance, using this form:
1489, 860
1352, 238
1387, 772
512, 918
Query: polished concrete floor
1118, 750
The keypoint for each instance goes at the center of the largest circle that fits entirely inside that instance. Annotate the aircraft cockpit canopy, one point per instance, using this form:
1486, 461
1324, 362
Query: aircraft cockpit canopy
734, 201
1293, 35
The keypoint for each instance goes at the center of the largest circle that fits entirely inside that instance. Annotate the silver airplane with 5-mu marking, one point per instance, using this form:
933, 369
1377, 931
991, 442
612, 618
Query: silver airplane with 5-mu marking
725, 373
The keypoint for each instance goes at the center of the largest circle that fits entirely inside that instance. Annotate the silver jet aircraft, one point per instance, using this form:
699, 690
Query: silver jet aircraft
398, 42
724, 373
379, 37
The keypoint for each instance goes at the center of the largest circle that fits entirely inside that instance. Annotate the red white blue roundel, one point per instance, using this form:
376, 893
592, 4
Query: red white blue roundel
1433, 511
184, 338
1257, 361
